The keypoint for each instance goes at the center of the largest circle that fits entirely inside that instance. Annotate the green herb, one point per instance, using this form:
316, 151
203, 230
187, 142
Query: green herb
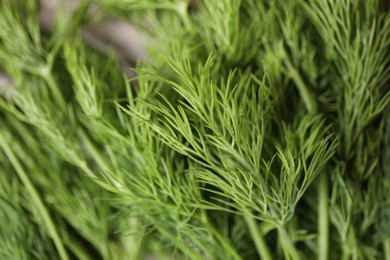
254, 129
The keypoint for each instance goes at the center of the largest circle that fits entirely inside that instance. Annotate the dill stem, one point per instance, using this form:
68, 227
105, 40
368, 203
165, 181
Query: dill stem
323, 220
386, 247
77, 250
222, 240
307, 97
345, 255
182, 10
131, 245
102, 163
186, 249
35, 198
55, 91
287, 245
84, 167
258, 239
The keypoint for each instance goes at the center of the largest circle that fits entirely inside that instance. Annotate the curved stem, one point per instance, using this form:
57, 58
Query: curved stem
323, 219
304, 91
35, 199
258, 239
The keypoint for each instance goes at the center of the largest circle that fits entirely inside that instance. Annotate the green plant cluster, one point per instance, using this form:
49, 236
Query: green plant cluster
255, 129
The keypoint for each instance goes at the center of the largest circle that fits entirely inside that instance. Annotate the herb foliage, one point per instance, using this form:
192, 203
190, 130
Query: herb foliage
254, 129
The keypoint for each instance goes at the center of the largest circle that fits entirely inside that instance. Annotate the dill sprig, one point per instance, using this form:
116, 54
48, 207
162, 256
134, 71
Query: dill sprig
252, 130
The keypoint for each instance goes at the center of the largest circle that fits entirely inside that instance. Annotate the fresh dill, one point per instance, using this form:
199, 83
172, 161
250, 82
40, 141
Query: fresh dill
253, 129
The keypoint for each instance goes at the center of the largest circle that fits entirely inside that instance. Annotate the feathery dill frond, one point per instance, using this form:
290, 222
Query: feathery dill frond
253, 129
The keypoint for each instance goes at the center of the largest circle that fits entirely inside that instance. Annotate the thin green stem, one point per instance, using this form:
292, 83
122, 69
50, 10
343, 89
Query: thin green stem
345, 255
307, 97
323, 219
223, 242
84, 167
386, 248
77, 249
187, 250
55, 90
287, 245
258, 239
100, 161
35, 199
182, 10
131, 245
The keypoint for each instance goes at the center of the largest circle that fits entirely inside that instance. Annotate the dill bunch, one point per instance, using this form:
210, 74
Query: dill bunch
253, 129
